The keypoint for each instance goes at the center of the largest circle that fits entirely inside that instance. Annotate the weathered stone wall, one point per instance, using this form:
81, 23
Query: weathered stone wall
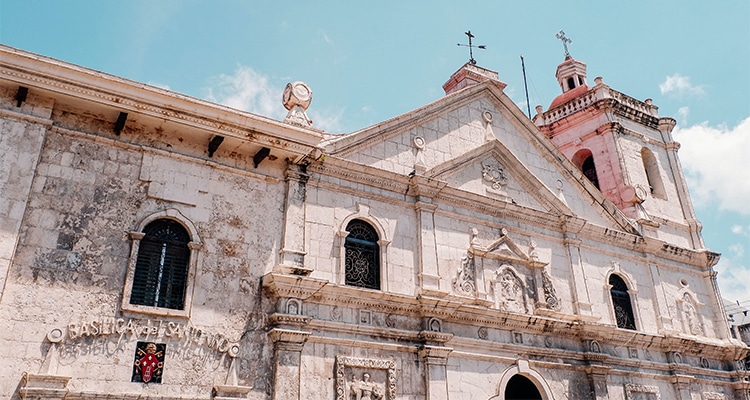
88, 192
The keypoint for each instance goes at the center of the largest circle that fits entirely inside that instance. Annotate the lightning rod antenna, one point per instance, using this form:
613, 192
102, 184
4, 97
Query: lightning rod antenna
525, 87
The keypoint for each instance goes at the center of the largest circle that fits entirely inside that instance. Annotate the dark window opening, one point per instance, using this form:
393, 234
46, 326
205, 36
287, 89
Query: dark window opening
621, 302
589, 170
161, 268
571, 83
362, 264
521, 388
580, 81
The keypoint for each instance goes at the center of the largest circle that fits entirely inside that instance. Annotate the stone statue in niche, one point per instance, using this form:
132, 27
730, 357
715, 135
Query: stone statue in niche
365, 389
509, 292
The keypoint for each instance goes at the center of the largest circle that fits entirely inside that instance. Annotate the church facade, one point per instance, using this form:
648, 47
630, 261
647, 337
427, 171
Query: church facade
157, 246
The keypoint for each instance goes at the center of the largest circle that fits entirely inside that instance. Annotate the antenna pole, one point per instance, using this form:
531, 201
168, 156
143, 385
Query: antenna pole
526, 88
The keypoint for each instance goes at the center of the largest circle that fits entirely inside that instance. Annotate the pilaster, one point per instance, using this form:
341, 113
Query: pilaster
582, 301
292, 254
429, 276
435, 359
287, 349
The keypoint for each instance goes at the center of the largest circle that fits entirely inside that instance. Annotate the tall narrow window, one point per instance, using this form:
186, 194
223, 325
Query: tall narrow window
650, 165
362, 266
621, 302
161, 269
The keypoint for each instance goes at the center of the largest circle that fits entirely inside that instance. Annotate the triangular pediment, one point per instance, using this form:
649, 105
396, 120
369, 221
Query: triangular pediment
476, 141
503, 248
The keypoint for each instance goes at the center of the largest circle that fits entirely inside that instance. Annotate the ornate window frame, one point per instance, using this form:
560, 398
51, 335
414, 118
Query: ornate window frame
363, 213
632, 293
195, 245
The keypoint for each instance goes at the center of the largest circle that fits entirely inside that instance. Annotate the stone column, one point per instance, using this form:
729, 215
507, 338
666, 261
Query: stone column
435, 359
428, 267
292, 254
287, 352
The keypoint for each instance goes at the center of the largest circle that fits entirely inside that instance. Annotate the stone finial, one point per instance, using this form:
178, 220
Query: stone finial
297, 97
598, 80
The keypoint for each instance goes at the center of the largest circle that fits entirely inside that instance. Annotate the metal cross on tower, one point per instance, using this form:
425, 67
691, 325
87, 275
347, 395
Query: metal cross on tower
471, 47
565, 41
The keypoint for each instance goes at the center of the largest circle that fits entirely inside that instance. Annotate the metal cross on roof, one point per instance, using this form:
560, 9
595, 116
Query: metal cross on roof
471, 47
565, 41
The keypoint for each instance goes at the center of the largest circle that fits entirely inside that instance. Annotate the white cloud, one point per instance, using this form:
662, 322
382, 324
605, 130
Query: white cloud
715, 163
732, 278
682, 115
679, 86
737, 249
249, 90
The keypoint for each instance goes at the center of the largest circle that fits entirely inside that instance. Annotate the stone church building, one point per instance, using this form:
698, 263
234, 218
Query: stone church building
158, 246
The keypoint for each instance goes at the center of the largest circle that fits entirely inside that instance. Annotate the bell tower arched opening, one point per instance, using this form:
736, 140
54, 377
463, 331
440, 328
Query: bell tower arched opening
584, 160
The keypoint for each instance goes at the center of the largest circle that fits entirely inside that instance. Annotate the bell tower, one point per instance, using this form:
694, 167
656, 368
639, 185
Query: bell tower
625, 150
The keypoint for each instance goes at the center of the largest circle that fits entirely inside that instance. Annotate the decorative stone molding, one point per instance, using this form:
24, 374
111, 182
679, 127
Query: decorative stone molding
286, 339
289, 320
229, 392
714, 396
435, 337
48, 387
346, 364
434, 355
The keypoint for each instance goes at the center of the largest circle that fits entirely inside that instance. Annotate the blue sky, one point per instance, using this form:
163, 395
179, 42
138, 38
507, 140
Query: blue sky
370, 61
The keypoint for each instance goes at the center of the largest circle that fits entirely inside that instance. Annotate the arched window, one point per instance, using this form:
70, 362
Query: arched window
621, 303
362, 266
655, 183
521, 388
571, 83
584, 160
162, 265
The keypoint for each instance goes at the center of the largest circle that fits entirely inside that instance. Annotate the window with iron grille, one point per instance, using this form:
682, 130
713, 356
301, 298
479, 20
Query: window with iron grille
362, 265
162, 265
621, 303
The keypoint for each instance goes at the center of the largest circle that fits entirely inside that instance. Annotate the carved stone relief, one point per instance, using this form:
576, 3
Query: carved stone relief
365, 379
690, 316
482, 333
495, 175
510, 291
714, 396
641, 392
550, 297
465, 281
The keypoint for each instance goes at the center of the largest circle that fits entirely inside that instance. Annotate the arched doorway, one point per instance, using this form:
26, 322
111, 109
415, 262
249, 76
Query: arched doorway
521, 388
